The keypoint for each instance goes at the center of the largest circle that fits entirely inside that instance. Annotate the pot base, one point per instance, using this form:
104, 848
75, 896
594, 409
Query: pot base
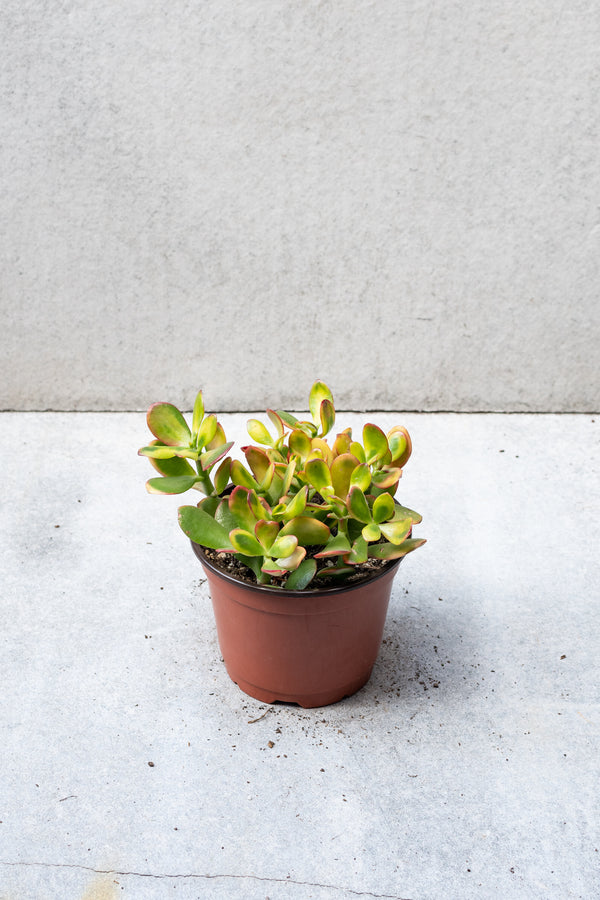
306, 701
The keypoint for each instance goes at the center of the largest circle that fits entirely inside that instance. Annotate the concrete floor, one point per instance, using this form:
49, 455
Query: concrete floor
467, 768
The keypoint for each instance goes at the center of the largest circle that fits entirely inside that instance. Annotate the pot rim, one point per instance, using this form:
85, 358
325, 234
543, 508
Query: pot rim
281, 592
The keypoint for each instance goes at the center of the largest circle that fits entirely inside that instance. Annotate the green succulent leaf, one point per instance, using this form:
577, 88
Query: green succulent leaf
336, 507
240, 509
241, 476
290, 420
335, 572
266, 533
207, 431
320, 450
176, 485
293, 560
209, 505
318, 474
342, 468
359, 553
267, 480
270, 567
258, 461
386, 477
309, 531
221, 476
171, 467
358, 506
371, 532
357, 450
225, 517
157, 451
198, 413
308, 428
277, 422
403, 512
296, 505
342, 443
326, 416
396, 532
318, 392
288, 476
383, 508
299, 443
218, 440
337, 545
302, 576
208, 459
259, 432
361, 477
281, 481
185, 452
259, 506
201, 528
284, 546
168, 425
400, 445
278, 511
246, 543
375, 441
395, 551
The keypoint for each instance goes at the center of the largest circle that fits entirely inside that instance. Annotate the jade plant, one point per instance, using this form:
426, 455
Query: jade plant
302, 511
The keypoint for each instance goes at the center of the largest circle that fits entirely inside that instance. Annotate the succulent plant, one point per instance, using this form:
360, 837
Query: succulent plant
301, 508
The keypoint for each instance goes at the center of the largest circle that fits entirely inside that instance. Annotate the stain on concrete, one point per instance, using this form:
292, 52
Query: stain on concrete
101, 889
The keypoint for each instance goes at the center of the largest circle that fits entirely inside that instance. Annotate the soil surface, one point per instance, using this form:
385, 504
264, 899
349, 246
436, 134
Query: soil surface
232, 566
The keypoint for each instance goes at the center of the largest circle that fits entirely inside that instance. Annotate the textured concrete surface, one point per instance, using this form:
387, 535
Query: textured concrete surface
190, 186
467, 768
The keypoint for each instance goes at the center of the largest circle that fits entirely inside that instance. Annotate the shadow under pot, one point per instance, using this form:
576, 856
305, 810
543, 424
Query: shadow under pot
311, 647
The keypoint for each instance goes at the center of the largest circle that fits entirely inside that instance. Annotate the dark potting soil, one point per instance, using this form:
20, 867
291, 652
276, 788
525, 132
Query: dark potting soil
232, 566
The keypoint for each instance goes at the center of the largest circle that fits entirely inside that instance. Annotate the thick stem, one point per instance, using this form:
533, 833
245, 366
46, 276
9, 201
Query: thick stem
205, 482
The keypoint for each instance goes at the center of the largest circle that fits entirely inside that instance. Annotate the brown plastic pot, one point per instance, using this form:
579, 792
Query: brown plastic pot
310, 647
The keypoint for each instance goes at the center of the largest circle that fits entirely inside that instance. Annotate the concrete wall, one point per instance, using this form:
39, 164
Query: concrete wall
398, 196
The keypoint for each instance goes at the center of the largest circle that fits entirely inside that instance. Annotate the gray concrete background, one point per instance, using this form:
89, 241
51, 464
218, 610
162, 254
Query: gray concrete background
400, 198
467, 768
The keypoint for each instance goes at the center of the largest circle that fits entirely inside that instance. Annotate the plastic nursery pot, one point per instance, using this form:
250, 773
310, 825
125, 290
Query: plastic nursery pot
310, 647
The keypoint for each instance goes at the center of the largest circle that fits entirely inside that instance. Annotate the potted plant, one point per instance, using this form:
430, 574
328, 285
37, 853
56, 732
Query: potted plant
300, 545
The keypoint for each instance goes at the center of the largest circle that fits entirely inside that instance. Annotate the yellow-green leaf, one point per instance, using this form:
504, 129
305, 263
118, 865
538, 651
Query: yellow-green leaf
395, 551
198, 413
358, 506
400, 445
240, 508
318, 392
241, 476
396, 532
361, 477
326, 416
371, 532
342, 468
375, 442
258, 432
171, 467
168, 425
309, 531
318, 474
337, 545
383, 508
246, 543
